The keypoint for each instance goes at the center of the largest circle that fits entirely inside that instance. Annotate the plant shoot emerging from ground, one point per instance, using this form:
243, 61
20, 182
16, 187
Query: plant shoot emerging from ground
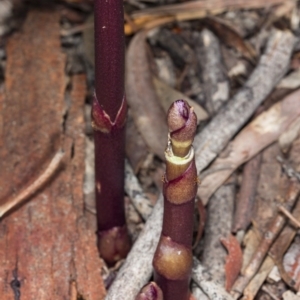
108, 120
173, 258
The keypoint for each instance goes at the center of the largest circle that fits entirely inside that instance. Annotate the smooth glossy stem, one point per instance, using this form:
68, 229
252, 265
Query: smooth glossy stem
108, 120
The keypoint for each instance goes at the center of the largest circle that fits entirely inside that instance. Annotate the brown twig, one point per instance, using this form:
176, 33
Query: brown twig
289, 215
37, 184
269, 237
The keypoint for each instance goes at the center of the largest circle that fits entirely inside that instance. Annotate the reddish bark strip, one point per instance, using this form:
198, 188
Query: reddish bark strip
46, 245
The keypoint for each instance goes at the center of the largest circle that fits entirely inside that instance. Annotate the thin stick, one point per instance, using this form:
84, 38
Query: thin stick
289, 215
38, 183
269, 237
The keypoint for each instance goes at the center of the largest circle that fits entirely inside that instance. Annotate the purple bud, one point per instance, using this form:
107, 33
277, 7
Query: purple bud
178, 114
183, 108
182, 122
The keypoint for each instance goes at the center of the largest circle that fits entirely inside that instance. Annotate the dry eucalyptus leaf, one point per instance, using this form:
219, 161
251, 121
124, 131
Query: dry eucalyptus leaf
287, 137
262, 131
233, 260
147, 113
157, 16
231, 37
292, 81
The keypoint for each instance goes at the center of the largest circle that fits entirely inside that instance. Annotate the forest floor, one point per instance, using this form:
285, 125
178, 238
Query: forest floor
236, 62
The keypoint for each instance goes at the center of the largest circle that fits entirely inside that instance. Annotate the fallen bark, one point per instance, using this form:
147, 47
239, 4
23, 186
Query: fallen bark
261, 132
35, 186
270, 235
270, 69
47, 247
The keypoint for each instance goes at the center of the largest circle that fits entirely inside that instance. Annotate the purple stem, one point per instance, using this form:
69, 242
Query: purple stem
108, 117
109, 54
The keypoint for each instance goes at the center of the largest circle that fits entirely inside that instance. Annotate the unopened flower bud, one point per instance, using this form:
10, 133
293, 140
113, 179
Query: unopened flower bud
182, 122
